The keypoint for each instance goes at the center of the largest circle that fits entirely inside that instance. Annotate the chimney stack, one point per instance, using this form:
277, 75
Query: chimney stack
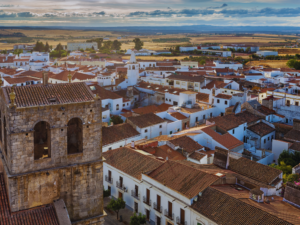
45, 78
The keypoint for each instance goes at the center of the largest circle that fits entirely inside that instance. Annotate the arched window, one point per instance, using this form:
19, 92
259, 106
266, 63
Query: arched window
42, 140
0, 127
75, 136
5, 136
133, 67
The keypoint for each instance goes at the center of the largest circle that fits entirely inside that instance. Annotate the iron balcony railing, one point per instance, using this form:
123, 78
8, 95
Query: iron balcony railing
147, 200
157, 208
109, 179
169, 215
179, 222
135, 195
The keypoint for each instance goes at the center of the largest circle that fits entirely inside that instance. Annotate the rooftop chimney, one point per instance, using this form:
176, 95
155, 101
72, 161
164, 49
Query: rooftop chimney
45, 78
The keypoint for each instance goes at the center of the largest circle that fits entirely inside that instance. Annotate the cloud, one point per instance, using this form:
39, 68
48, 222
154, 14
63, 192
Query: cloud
25, 14
219, 7
48, 15
224, 5
8, 15
6, 5
102, 13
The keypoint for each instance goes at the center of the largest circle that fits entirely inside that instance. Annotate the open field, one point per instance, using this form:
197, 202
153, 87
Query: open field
159, 58
54, 37
269, 63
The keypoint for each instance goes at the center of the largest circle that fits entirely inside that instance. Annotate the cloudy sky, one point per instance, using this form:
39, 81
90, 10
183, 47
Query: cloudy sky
104, 13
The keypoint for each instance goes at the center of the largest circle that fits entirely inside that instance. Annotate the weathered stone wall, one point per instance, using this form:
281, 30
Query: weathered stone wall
81, 188
20, 138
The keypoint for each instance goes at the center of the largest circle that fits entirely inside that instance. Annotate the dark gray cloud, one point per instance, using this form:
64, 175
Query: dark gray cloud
219, 7
25, 14
8, 15
267, 12
99, 13
49, 15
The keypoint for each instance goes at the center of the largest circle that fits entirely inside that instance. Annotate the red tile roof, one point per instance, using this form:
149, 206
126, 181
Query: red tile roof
102, 92
178, 116
117, 133
224, 96
213, 83
187, 144
189, 183
145, 120
202, 97
227, 140
38, 95
43, 215
261, 129
131, 162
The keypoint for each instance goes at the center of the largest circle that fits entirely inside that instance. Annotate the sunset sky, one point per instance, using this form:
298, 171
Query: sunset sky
103, 13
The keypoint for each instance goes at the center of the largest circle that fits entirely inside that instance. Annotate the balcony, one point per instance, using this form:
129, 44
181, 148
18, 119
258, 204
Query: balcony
169, 215
179, 222
121, 186
147, 201
109, 179
157, 208
135, 195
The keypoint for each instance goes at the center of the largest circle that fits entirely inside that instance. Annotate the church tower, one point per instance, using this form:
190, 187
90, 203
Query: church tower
132, 70
51, 148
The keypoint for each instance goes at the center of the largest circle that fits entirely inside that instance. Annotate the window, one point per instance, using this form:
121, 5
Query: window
268, 138
204, 117
166, 99
147, 214
74, 136
196, 119
218, 100
117, 106
109, 176
265, 141
211, 115
244, 128
42, 140
233, 131
146, 131
147, 196
120, 195
170, 209
182, 216
123, 105
109, 190
109, 148
225, 102
136, 207
158, 220
297, 103
160, 126
287, 120
175, 103
178, 82
169, 100
171, 132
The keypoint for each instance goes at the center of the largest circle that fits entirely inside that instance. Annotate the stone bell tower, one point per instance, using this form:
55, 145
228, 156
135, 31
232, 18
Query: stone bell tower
51, 148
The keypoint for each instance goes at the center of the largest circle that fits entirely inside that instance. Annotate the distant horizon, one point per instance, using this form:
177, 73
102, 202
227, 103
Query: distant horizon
116, 13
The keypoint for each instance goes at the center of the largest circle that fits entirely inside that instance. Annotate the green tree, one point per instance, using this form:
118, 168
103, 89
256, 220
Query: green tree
137, 219
116, 45
138, 44
116, 205
39, 46
98, 40
286, 169
81, 50
18, 51
47, 47
293, 63
107, 45
116, 120
59, 47
248, 49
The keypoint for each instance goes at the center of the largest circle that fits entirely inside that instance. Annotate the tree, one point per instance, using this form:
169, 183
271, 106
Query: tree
47, 47
39, 47
82, 50
116, 205
248, 49
116, 120
116, 45
18, 51
107, 45
98, 40
59, 47
137, 219
138, 44
293, 63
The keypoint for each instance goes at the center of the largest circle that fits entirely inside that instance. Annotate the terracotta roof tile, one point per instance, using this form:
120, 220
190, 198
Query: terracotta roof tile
178, 116
189, 183
231, 121
187, 144
225, 209
213, 83
165, 152
224, 96
226, 140
261, 129
103, 93
145, 120
202, 97
292, 135
117, 133
38, 95
197, 156
131, 162
254, 170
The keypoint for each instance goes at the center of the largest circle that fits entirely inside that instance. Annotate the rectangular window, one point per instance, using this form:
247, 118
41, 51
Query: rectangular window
109, 175
147, 214
147, 195
121, 181
170, 209
225, 102
182, 216
218, 100
136, 207
196, 119
158, 201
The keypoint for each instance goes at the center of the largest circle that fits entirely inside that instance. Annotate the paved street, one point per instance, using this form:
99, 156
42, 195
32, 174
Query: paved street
111, 218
